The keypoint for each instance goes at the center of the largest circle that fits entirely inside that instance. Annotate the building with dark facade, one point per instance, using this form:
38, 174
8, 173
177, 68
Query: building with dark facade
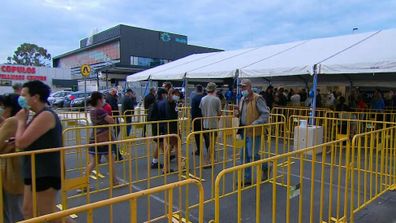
123, 50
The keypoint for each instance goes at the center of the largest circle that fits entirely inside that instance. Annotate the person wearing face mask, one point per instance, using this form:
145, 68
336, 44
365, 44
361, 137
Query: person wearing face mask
11, 167
43, 131
100, 117
210, 106
167, 110
252, 111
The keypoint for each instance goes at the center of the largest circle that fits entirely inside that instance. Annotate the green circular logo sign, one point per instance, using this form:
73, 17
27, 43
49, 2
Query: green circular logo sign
165, 37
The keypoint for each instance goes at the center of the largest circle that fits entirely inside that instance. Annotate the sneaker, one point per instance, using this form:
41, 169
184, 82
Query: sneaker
156, 165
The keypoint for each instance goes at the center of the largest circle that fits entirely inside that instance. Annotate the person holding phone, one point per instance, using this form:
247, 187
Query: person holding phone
43, 131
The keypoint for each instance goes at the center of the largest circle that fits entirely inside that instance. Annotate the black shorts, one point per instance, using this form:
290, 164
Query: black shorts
44, 183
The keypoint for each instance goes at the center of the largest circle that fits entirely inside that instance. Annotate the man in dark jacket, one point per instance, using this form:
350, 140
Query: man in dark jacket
112, 100
197, 113
128, 105
148, 103
268, 96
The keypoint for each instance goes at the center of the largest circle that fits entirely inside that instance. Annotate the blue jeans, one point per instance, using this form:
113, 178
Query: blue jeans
247, 154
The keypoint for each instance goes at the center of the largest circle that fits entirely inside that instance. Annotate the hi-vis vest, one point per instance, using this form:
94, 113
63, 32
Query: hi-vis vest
252, 114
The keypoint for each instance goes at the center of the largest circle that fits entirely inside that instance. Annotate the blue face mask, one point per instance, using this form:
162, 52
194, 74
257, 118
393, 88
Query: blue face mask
175, 98
245, 93
23, 102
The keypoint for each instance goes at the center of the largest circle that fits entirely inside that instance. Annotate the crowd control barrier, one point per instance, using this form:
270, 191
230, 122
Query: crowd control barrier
286, 187
219, 150
327, 129
138, 210
372, 168
329, 182
107, 178
299, 111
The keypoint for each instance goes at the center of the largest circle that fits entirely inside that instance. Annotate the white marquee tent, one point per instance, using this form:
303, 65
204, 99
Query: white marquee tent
342, 58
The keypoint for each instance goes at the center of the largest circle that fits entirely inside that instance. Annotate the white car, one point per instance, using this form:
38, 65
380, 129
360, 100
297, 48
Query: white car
57, 98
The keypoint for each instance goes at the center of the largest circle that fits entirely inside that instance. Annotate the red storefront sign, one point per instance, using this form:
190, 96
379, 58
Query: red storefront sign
18, 69
18, 73
22, 77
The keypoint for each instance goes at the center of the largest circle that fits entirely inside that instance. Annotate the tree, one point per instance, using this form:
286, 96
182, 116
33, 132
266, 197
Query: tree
30, 55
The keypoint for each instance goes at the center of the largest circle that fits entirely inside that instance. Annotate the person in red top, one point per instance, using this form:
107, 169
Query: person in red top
107, 108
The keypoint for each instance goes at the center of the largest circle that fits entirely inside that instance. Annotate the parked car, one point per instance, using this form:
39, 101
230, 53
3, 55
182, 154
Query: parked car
79, 102
74, 95
57, 98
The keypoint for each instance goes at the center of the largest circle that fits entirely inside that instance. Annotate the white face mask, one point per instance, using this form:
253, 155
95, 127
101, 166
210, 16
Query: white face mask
175, 98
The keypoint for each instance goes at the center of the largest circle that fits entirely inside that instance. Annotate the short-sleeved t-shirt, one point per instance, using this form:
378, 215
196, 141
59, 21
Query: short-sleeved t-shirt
210, 106
98, 116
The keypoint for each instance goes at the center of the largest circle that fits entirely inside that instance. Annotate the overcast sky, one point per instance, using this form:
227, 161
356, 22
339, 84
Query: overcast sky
58, 25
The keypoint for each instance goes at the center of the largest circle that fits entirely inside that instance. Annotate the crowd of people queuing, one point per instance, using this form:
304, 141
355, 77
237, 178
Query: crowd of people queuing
21, 131
334, 100
206, 103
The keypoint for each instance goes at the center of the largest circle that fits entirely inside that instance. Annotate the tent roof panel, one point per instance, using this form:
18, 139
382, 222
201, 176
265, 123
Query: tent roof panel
375, 55
180, 71
301, 59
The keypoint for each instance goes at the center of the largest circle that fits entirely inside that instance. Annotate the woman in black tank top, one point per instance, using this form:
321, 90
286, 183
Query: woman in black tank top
44, 131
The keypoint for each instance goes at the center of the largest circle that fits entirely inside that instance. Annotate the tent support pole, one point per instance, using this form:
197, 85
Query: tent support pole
269, 81
185, 90
237, 86
314, 88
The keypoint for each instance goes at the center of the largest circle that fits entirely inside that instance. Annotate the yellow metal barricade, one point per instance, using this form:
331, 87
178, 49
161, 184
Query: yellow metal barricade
138, 129
74, 122
219, 150
134, 172
184, 117
168, 211
368, 115
373, 168
285, 188
330, 129
299, 111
